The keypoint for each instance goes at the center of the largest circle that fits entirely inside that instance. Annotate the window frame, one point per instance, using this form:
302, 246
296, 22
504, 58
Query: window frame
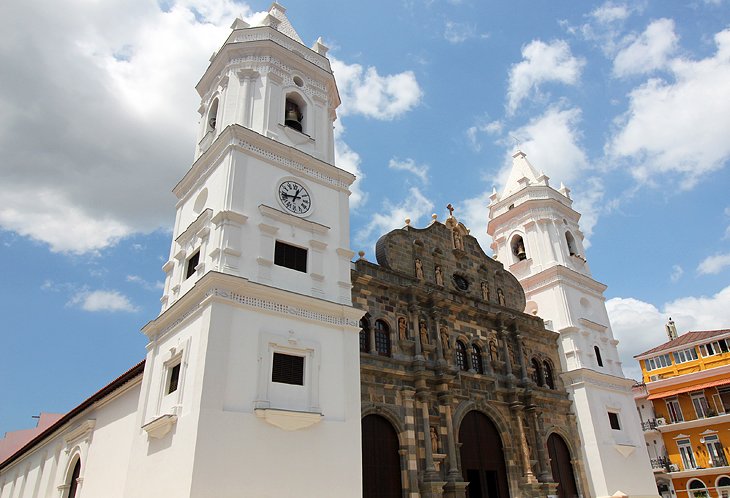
296, 253
614, 420
686, 454
674, 410
460, 356
190, 268
383, 342
295, 376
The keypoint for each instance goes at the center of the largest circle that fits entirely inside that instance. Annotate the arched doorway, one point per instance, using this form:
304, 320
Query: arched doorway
380, 459
482, 458
561, 467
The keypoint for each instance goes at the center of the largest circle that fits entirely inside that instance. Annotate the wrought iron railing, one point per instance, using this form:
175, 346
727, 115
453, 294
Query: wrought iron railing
660, 463
649, 425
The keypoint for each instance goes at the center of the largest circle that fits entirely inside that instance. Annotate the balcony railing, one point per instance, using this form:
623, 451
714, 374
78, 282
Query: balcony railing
649, 425
661, 463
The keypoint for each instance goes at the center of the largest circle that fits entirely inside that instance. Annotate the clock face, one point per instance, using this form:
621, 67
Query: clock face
294, 197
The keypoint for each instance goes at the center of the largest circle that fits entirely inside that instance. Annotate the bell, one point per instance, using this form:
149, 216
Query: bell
293, 118
211, 122
521, 255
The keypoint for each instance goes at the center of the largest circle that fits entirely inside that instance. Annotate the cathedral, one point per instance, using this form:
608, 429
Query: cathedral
279, 367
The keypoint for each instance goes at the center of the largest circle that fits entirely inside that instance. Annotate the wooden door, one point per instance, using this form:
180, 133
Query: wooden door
561, 467
380, 459
482, 458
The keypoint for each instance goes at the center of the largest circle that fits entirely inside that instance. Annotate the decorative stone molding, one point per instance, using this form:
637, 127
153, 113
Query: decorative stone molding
290, 219
288, 420
160, 426
79, 434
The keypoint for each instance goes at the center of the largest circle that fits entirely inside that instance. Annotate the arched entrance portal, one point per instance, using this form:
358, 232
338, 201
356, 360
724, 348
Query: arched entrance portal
380, 459
482, 458
561, 467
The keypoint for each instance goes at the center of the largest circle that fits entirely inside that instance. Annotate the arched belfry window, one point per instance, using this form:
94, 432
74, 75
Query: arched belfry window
518, 248
537, 376
572, 247
382, 338
476, 359
547, 371
460, 356
73, 480
212, 120
599, 360
364, 335
295, 112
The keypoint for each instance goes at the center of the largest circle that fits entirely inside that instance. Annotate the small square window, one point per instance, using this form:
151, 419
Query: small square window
613, 420
288, 369
192, 263
174, 378
290, 256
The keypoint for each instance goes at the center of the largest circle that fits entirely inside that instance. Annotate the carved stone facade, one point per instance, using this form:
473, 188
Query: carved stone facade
477, 355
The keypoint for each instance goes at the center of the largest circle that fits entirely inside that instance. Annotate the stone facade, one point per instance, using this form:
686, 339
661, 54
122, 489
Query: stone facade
423, 381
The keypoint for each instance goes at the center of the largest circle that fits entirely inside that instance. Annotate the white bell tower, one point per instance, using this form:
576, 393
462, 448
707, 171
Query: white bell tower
536, 236
252, 384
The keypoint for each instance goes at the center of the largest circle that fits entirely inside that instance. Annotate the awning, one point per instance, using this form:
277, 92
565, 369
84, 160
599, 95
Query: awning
686, 389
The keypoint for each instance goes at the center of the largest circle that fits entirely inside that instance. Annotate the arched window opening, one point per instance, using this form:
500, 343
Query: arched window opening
476, 359
697, 489
73, 482
723, 481
518, 248
364, 334
460, 356
572, 247
547, 370
537, 377
294, 112
213, 116
723, 486
599, 360
382, 338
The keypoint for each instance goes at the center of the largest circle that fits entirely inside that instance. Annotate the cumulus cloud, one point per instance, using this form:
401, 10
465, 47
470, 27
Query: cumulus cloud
713, 265
349, 160
102, 300
414, 206
542, 63
365, 92
418, 170
487, 127
474, 214
639, 325
136, 279
649, 51
678, 129
676, 274
610, 12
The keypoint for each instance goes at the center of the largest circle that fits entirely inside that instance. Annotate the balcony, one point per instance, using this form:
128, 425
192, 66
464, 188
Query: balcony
698, 422
660, 464
649, 425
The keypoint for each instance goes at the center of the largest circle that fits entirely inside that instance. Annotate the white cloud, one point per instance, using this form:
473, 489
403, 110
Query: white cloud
677, 131
349, 160
409, 165
639, 325
588, 201
365, 92
542, 63
455, 32
474, 214
414, 206
610, 12
102, 300
713, 265
676, 274
136, 279
649, 51
489, 128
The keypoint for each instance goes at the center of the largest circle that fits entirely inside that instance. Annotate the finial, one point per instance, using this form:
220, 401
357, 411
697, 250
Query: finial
361, 254
408, 222
451, 210
434, 216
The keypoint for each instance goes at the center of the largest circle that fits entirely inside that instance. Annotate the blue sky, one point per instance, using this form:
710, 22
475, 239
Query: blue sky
628, 104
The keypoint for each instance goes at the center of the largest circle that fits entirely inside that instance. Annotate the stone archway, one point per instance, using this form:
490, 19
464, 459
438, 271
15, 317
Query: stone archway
482, 457
561, 467
381, 472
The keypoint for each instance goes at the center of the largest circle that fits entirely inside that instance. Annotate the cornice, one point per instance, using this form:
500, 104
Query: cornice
237, 137
598, 379
560, 274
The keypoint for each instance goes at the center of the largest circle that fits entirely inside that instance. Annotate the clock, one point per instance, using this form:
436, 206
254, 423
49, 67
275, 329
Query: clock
294, 197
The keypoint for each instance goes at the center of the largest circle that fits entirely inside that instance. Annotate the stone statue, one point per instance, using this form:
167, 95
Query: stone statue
444, 339
434, 440
424, 333
458, 241
500, 297
419, 269
402, 328
485, 291
439, 276
493, 353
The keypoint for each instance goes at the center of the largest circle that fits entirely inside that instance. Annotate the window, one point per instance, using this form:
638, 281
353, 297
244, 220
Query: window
476, 359
212, 116
290, 256
713, 348
73, 484
661, 361
288, 369
715, 451
697, 489
613, 420
675, 412
723, 486
537, 377
700, 405
382, 338
460, 356
174, 378
191, 264
599, 360
685, 355
364, 335
547, 370
572, 248
685, 451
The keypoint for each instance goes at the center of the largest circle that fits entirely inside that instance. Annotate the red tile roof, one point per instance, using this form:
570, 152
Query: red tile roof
686, 338
100, 394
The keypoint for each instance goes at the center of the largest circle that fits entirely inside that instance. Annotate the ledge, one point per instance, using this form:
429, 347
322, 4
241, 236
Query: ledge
288, 420
160, 426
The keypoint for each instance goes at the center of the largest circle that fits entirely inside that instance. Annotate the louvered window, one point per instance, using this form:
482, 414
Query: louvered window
174, 379
288, 369
290, 256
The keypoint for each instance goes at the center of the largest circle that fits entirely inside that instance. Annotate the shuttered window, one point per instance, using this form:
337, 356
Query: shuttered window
174, 379
288, 369
290, 256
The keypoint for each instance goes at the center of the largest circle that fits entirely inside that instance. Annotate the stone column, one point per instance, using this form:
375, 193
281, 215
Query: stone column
523, 368
543, 466
413, 315
503, 338
455, 486
436, 324
516, 409
432, 486
411, 467
247, 77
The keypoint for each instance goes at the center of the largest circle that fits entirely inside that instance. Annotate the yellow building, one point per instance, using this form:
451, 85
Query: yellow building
688, 384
